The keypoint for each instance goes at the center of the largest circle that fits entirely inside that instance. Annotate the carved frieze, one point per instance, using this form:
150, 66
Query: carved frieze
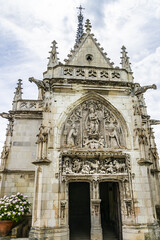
92, 125
94, 166
111, 74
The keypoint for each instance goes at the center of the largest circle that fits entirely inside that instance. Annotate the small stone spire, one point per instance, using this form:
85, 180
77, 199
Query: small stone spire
18, 92
88, 26
80, 25
53, 59
125, 60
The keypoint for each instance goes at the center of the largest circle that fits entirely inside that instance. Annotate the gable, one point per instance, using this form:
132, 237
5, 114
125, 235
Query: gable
89, 53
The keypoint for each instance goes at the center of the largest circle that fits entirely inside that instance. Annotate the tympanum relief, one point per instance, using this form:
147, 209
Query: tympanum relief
92, 125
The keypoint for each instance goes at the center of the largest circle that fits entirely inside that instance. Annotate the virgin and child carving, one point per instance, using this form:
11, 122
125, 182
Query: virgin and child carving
92, 125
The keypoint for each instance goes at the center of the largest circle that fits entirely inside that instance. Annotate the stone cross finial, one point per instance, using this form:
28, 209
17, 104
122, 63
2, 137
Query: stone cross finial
88, 26
125, 60
18, 92
53, 59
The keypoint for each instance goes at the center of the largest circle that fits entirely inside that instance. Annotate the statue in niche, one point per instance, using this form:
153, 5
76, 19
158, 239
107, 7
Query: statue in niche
111, 134
67, 166
92, 122
71, 139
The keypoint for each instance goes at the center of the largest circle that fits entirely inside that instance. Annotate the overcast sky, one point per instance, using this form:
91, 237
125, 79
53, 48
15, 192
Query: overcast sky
27, 29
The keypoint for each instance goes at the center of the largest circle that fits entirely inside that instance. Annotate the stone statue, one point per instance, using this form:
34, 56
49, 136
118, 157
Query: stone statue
71, 139
92, 122
111, 135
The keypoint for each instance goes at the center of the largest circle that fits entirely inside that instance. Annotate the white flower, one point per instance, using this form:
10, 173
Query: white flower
14, 213
9, 213
19, 213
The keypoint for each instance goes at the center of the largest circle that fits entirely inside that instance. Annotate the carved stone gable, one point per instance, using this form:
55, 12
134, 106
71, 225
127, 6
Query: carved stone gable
92, 125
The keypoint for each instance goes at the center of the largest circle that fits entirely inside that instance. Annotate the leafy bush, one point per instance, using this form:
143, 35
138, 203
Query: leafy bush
14, 207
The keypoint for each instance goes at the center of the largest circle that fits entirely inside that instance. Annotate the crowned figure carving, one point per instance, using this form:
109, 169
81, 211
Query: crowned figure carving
92, 125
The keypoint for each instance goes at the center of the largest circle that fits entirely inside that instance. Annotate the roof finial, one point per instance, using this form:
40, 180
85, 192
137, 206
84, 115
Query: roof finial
80, 25
88, 26
53, 59
125, 60
18, 92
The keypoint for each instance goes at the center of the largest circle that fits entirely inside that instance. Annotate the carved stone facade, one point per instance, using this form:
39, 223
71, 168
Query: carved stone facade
88, 133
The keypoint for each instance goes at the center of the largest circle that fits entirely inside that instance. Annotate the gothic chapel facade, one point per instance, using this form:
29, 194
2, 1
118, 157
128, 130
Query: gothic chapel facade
84, 152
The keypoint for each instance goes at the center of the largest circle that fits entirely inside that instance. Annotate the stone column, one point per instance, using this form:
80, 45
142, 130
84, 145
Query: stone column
96, 229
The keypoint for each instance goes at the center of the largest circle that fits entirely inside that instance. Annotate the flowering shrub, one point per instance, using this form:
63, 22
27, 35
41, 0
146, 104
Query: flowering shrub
14, 207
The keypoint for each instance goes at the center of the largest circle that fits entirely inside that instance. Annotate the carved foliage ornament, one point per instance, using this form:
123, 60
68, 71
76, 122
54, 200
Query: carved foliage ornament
92, 125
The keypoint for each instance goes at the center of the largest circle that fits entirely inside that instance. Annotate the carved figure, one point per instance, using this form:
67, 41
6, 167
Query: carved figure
85, 168
92, 122
110, 168
94, 166
76, 165
5, 152
112, 135
67, 166
71, 139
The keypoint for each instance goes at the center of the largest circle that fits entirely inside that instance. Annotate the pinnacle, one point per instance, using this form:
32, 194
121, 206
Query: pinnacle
125, 60
88, 26
53, 59
18, 92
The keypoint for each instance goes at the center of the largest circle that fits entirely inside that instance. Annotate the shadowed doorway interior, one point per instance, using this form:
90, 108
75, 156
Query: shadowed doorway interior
79, 210
110, 211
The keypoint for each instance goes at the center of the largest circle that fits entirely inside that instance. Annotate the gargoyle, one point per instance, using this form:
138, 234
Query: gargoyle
139, 90
154, 122
40, 83
6, 115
